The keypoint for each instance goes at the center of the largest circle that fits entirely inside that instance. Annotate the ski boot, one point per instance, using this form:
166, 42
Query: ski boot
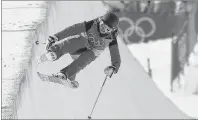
49, 56
63, 78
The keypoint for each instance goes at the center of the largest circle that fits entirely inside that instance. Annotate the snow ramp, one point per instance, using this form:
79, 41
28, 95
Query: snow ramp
130, 94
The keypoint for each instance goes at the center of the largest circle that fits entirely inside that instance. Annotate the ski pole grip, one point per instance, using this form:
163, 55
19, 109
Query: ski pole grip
111, 74
89, 117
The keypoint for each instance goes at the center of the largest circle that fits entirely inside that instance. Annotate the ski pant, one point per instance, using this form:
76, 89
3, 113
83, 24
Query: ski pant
74, 46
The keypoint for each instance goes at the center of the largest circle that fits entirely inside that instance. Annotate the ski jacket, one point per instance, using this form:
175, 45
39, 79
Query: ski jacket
96, 41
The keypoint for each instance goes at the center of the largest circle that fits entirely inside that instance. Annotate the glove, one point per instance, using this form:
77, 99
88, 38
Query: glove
51, 41
109, 71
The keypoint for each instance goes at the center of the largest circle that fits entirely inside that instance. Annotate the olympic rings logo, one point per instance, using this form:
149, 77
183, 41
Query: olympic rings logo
95, 41
135, 27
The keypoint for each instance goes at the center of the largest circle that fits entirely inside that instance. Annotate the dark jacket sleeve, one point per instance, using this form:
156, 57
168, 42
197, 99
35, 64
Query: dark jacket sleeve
75, 29
115, 54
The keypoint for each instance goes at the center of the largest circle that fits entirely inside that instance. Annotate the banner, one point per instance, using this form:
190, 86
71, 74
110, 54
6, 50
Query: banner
193, 27
136, 27
179, 52
196, 17
184, 42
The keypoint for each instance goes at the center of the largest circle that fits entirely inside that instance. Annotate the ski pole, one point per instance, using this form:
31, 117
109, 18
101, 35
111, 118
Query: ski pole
89, 117
68, 38
37, 42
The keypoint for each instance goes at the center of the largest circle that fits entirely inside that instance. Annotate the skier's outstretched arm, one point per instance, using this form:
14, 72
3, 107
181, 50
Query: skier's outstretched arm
115, 55
75, 29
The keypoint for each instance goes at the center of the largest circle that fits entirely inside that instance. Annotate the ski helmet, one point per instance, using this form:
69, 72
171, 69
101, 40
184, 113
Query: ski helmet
111, 20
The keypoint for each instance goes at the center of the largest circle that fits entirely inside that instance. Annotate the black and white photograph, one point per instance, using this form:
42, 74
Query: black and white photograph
124, 59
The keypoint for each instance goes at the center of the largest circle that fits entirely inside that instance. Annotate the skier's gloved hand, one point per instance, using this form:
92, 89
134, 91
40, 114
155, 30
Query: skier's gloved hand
51, 41
52, 38
109, 71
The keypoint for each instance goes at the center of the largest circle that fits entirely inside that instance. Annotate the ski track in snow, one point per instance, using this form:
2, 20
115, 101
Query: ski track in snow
129, 94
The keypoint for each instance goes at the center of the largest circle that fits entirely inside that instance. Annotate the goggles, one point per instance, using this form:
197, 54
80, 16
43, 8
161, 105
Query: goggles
104, 29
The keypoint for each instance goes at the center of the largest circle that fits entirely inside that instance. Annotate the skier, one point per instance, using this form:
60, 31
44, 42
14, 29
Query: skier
87, 40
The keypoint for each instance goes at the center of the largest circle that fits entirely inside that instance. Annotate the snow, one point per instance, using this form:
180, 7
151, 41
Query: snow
159, 54
22, 4
17, 21
29, 15
128, 94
